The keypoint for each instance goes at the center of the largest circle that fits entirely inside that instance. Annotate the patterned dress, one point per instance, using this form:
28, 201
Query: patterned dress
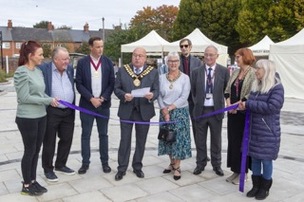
181, 149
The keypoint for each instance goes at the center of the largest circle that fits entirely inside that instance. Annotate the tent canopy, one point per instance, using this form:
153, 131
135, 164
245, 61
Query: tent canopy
289, 58
152, 42
262, 47
199, 43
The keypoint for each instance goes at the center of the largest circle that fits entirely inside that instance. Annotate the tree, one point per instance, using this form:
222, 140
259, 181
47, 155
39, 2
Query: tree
215, 18
65, 27
41, 24
46, 50
83, 48
160, 19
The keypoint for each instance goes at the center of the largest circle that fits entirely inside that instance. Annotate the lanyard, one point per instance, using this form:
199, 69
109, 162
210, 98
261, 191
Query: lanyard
94, 65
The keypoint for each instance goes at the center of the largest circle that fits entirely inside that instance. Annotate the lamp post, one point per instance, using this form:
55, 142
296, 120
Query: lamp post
103, 29
1, 50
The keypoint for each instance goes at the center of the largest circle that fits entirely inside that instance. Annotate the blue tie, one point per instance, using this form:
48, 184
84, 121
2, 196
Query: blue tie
209, 85
137, 71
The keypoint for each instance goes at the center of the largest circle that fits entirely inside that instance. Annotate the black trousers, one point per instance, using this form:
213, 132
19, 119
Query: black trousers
215, 126
141, 131
59, 122
32, 132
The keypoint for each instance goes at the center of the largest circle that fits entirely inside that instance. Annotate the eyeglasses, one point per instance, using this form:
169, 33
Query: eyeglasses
173, 61
138, 55
209, 55
182, 46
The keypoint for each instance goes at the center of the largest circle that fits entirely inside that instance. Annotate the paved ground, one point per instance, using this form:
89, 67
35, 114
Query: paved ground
288, 175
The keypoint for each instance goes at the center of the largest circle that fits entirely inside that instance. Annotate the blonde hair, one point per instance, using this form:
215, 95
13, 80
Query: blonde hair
269, 80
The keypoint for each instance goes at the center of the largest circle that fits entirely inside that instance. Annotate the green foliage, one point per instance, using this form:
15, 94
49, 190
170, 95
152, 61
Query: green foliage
114, 42
2, 76
47, 51
41, 24
84, 48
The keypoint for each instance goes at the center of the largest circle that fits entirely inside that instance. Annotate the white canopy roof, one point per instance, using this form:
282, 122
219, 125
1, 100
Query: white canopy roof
199, 43
289, 58
152, 42
262, 47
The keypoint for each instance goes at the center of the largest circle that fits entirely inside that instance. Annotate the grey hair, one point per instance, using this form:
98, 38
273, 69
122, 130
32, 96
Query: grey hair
212, 46
269, 80
171, 54
57, 49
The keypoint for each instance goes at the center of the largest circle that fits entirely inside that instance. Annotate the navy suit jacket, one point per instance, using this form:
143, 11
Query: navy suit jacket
198, 88
124, 84
46, 69
84, 81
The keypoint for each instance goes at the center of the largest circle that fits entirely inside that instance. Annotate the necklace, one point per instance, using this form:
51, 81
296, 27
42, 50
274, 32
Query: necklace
172, 80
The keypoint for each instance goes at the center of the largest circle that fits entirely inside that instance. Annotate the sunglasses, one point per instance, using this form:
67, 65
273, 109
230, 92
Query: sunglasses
186, 46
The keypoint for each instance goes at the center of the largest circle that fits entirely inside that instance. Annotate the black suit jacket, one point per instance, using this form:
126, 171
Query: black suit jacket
198, 88
124, 84
83, 81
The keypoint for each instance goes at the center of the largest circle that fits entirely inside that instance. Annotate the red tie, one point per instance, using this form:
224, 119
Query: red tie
186, 66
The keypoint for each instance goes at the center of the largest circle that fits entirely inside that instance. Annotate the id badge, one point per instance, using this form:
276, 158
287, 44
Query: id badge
209, 95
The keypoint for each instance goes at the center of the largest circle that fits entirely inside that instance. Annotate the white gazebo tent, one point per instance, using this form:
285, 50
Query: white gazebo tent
199, 44
152, 42
262, 47
289, 58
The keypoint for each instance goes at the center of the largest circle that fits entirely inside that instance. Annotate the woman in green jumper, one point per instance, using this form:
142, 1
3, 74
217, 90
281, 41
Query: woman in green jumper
31, 112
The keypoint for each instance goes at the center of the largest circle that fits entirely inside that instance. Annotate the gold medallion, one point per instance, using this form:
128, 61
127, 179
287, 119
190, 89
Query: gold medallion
136, 82
96, 74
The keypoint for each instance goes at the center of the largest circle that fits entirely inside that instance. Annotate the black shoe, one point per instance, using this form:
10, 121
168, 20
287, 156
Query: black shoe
218, 171
30, 190
65, 170
198, 170
39, 188
51, 176
106, 168
139, 173
83, 169
119, 175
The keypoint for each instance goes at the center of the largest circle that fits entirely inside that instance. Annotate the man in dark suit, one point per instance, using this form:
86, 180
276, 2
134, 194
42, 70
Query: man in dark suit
59, 83
95, 83
208, 83
139, 109
187, 64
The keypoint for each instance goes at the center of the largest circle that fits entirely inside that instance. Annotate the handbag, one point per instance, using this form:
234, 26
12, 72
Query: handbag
167, 135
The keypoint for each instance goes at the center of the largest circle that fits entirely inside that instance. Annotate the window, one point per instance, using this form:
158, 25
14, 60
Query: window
6, 45
18, 45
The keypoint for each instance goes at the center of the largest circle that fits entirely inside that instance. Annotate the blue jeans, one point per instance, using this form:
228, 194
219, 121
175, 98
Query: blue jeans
102, 127
256, 167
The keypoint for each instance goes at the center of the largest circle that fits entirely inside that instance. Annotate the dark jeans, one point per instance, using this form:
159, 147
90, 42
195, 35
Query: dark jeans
32, 132
59, 122
102, 127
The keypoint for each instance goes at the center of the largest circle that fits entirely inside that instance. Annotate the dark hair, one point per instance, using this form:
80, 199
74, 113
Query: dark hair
27, 48
92, 39
185, 39
247, 55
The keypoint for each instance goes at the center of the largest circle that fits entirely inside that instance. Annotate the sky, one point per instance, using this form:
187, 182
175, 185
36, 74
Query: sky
74, 13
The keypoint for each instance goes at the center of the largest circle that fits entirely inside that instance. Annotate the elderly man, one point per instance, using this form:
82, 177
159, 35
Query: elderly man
59, 82
139, 109
208, 83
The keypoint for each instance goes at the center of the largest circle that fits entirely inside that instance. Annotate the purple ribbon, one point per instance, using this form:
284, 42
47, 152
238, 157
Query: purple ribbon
244, 150
67, 104
231, 107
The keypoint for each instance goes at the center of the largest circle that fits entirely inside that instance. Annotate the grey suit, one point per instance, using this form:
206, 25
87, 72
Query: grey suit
198, 83
138, 109
194, 62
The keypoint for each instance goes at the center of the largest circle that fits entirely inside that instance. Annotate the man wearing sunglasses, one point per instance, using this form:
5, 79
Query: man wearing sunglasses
187, 64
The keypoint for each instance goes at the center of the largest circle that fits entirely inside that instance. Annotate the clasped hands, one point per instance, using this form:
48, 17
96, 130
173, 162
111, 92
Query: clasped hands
97, 101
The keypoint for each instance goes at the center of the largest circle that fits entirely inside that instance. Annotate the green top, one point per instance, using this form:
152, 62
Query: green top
31, 98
